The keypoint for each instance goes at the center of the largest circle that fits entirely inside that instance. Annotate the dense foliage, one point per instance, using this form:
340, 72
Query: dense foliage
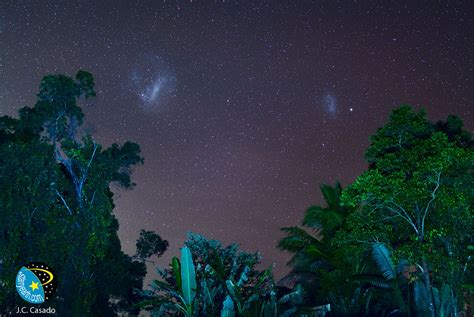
396, 242
56, 204
210, 280
311, 247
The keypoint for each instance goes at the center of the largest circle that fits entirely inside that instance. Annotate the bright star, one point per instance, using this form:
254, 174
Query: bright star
351, 109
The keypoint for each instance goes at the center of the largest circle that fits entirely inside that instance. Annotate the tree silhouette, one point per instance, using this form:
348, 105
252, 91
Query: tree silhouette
56, 204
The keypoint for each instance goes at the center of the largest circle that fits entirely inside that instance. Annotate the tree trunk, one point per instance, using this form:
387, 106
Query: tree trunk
426, 280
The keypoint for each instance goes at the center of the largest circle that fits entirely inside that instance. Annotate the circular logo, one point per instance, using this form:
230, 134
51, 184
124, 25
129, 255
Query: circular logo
36, 282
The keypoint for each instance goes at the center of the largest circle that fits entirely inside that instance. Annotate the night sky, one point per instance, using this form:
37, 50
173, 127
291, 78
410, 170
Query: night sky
242, 109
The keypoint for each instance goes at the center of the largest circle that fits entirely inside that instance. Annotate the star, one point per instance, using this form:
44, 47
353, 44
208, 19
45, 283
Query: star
34, 285
263, 99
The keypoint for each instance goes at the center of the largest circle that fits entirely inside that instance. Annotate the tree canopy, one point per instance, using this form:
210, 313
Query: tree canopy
56, 204
396, 241
402, 245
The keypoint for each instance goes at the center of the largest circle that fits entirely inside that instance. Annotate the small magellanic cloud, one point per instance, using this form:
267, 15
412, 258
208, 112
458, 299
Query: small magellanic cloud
330, 104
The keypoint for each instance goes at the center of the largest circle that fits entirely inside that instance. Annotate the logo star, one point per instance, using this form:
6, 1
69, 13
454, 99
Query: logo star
34, 286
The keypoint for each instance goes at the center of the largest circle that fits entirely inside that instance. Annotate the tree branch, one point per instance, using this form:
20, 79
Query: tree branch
433, 196
93, 197
85, 172
64, 202
143, 259
400, 211
92, 156
67, 206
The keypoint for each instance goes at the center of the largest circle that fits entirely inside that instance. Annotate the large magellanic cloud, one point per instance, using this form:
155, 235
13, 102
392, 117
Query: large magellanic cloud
153, 83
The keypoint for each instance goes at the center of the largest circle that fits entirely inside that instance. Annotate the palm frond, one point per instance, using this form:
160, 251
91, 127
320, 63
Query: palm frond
382, 258
296, 239
376, 281
316, 252
314, 216
332, 195
295, 297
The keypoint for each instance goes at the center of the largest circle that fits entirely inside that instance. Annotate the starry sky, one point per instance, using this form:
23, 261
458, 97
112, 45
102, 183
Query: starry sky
242, 108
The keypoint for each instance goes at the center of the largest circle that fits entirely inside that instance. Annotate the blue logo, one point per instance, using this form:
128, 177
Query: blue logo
36, 283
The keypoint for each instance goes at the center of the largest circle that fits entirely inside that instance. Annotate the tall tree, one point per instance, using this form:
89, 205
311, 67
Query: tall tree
417, 198
56, 204
311, 248
406, 221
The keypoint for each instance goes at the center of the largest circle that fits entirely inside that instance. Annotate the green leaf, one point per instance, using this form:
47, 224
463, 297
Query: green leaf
422, 297
374, 280
228, 307
233, 292
188, 276
382, 257
294, 297
176, 271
